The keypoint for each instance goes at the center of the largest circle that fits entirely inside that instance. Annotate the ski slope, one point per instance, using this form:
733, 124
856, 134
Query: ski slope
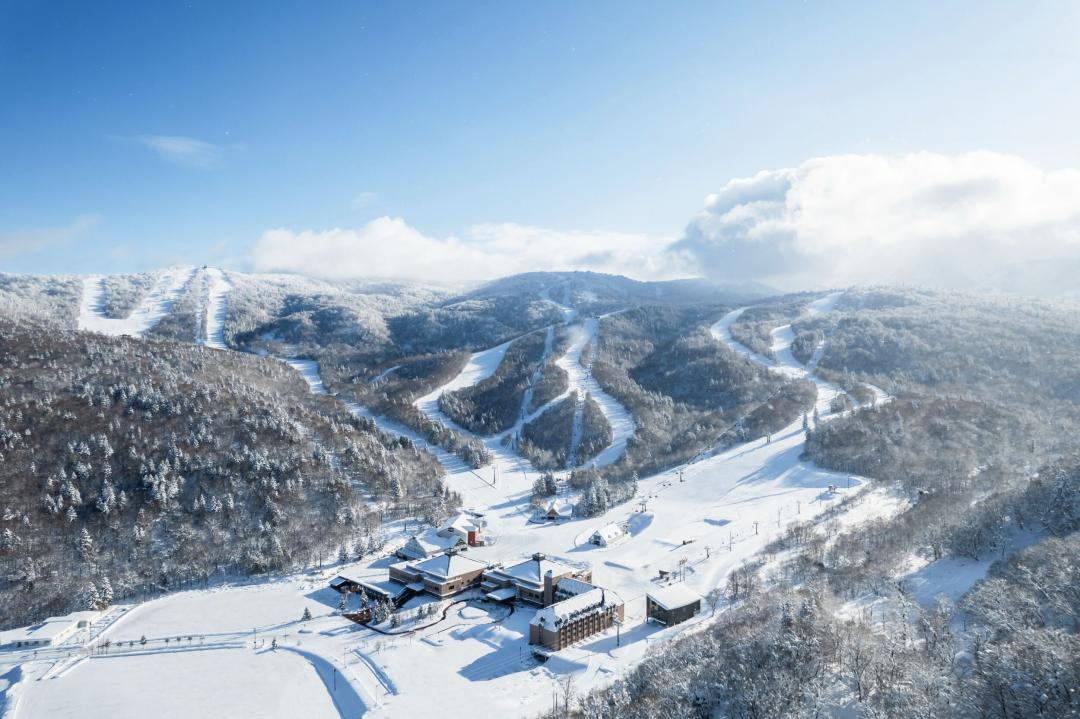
309, 370
578, 368
785, 362
216, 308
708, 517
144, 317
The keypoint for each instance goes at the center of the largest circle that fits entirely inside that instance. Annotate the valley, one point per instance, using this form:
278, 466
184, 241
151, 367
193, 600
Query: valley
732, 516
702, 520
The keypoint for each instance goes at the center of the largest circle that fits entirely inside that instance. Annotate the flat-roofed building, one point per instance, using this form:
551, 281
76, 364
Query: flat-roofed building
672, 604
50, 632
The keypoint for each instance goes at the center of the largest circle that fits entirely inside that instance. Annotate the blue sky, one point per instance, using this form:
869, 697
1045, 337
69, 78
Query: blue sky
140, 134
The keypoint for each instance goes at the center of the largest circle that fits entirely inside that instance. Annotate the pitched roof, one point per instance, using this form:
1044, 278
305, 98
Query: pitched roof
592, 601
673, 596
573, 587
430, 541
533, 570
460, 521
445, 566
610, 532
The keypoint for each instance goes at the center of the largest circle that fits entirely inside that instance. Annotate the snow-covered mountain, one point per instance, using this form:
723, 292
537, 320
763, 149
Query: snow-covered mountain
804, 463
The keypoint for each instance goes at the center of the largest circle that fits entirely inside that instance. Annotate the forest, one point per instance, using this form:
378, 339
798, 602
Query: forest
130, 467
980, 442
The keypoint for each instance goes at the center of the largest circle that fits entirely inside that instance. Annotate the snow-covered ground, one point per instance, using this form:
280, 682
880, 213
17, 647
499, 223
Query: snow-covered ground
216, 308
709, 517
149, 312
309, 370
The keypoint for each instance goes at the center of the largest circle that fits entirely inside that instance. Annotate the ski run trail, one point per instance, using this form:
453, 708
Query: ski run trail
157, 303
250, 652
217, 305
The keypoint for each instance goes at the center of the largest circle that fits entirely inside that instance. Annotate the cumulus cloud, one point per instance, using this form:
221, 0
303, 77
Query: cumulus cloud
390, 248
180, 150
979, 220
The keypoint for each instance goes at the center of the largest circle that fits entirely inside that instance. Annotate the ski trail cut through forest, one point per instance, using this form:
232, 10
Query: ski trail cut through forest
785, 362
309, 370
151, 309
217, 305
483, 365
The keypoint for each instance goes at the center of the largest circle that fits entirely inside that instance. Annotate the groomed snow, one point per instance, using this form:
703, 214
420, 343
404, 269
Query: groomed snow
216, 309
157, 303
181, 684
309, 370
707, 517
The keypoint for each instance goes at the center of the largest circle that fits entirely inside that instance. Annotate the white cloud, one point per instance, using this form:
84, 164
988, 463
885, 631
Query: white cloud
185, 151
976, 221
19, 242
389, 247
365, 199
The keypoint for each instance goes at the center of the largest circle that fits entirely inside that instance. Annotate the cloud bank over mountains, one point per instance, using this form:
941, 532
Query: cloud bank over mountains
974, 221
979, 220
388, 247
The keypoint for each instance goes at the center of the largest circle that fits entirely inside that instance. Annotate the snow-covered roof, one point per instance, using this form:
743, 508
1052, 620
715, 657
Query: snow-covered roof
501, 595
610, 532
592, 601
431, 542
573, 587
449, 565
45, 631
673, 596
461, 522
386, 588
533, 570
562, 508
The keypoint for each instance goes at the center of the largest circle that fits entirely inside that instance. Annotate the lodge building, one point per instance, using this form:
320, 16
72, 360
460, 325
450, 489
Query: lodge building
672, 604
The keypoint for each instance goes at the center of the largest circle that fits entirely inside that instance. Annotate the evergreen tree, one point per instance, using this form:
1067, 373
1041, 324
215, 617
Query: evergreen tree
90, 597
106, 592
85, 546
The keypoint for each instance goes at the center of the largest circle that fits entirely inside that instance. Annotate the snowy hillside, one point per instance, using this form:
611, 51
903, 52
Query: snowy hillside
303, 431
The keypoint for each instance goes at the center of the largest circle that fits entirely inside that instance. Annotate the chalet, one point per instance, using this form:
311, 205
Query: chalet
431, 544
533, 580
465, 527
575, 618
559, 510
672, 604
443, 576
608, 534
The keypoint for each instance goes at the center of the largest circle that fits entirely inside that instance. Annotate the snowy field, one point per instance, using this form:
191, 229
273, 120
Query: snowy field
709, 516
